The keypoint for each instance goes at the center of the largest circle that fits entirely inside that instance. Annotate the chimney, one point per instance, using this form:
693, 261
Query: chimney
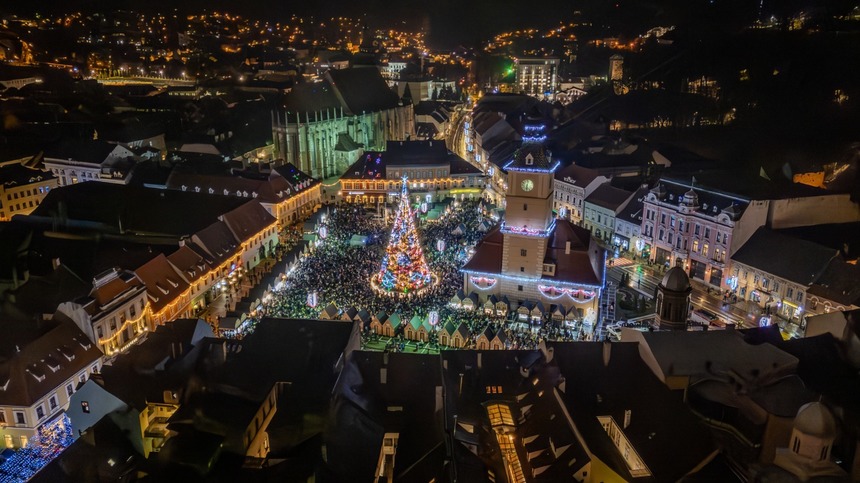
567, 247
627, 414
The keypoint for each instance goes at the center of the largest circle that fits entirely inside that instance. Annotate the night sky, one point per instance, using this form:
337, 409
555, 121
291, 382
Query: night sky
451, 22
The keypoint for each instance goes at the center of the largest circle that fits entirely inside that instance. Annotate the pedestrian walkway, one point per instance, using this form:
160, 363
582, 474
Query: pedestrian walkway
621, 261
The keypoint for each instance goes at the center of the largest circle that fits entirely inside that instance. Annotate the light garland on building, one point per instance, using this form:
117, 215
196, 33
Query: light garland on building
525, 231
534, 279
121, 329
578, 295
476, 281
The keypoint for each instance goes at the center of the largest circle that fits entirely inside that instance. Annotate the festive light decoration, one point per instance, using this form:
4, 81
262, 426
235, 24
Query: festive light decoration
522, 230
483, 283
556, 293
313, 299
404, 269
440, 245
433, 318
536, 279
323, 232
551, 169
49, 442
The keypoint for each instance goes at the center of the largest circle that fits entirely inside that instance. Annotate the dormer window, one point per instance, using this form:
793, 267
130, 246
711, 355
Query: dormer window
530, 160
36, 373
53, 364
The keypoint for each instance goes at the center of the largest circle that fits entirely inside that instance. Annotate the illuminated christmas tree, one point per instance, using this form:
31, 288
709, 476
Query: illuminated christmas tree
404, 268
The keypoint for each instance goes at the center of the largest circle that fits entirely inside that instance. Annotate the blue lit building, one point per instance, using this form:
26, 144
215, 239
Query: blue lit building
546, 267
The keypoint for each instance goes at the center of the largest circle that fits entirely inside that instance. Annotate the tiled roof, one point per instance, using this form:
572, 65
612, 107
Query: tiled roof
163, 283
133, 209
189, 263
488, 253
632, 212
15, 174
777, 254
608, 196
362, 90
248, 220
580, 176
43, 364
583, 265
217, 241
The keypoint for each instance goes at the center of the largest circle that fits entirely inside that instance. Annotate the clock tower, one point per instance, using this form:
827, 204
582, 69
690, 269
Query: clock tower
528, 204
533, 263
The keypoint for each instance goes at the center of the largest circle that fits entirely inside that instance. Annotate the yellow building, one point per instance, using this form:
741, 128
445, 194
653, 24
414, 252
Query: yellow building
22, 189
537, 261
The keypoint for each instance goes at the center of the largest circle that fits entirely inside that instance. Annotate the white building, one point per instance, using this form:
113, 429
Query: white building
701, 226
600, 209
91, 161
572, 185
537, 76
628, 224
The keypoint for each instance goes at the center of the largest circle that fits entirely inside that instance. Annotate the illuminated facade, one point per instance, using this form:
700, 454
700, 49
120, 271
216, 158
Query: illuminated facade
537, 261
537, 76
22, 189
434, 174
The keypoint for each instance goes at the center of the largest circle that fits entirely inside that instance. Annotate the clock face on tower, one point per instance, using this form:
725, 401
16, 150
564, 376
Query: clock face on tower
527, 185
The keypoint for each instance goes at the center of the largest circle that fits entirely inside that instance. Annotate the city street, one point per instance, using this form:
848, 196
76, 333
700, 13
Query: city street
644, 279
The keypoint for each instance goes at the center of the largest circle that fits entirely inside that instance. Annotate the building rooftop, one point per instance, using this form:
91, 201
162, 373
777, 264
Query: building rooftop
583, 265
609, 197
577, 175
775, 253
40, 365
609, 379
13, 175
405, 154
116, 208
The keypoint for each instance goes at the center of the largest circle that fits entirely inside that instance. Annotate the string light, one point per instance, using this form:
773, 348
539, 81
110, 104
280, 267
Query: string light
576, 294
525, 231
44, 446
530, 279
476, 281
404, 268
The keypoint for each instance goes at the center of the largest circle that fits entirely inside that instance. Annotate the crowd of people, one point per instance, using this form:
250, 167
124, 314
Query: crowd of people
338, 272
